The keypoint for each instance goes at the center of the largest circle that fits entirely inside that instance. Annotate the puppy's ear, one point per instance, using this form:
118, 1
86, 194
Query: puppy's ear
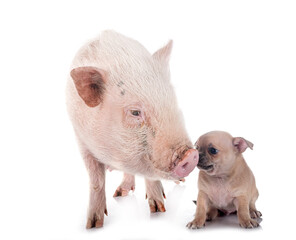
242, 144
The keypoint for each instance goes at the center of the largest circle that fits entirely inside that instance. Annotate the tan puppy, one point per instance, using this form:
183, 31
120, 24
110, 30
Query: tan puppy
226, 183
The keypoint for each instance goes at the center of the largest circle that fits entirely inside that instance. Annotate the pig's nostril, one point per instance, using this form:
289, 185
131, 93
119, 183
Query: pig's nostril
185, 165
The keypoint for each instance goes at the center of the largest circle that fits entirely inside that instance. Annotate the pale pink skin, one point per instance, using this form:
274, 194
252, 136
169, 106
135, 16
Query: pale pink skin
153, 144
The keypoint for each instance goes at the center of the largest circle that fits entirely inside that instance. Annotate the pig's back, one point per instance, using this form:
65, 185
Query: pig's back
110, 51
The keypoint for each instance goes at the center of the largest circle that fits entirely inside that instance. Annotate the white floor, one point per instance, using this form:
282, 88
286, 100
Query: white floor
63, 216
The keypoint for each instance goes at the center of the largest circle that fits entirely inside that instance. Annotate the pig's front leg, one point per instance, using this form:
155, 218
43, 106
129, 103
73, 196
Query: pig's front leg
127, 184
97, 197
155, 195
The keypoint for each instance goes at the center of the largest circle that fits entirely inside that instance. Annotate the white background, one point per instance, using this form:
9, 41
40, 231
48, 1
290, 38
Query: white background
233, 68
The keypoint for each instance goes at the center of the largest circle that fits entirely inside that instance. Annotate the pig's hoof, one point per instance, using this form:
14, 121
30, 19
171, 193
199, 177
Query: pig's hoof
155, 196
127, 184
156, 205
96, 221
122, 192
180, 180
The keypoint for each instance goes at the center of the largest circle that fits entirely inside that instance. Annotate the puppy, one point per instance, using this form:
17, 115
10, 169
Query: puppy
226, 183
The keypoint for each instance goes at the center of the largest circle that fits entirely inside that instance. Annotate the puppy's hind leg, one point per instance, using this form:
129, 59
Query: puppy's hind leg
212, 214
254, 213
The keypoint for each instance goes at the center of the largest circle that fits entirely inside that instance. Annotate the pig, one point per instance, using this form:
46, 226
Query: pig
125, 116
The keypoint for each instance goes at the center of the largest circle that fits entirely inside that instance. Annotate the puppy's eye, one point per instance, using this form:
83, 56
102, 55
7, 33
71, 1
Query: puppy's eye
213, 151
136, 113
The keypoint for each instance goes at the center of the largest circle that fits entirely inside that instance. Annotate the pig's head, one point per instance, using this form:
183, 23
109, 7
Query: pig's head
138, 116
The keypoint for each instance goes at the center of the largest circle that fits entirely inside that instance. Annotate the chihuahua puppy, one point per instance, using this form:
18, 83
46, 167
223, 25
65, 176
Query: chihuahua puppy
226, 183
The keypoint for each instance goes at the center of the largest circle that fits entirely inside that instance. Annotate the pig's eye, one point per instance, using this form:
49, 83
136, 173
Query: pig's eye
136, 113
213, 151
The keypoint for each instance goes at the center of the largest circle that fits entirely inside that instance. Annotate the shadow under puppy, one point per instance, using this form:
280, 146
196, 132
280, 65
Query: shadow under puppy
226, 183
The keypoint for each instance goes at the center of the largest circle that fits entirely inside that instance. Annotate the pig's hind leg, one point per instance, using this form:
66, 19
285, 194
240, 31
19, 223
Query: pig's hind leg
155, 195
127, 184
97, 197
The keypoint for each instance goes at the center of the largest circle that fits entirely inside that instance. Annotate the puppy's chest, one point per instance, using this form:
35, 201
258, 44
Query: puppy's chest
220, 196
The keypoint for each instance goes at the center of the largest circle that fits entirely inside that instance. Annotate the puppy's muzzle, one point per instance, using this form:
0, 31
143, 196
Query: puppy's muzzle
203, 163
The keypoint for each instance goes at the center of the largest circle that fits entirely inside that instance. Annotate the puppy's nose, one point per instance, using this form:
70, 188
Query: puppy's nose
202, 159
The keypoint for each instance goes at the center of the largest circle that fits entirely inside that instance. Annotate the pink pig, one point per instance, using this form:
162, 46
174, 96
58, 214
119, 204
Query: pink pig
125, 115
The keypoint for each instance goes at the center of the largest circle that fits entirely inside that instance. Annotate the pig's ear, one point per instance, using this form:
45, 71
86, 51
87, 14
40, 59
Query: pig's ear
90, 84
164, 53
242, 144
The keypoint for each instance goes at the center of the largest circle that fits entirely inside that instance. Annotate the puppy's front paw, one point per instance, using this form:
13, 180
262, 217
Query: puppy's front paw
196, 224
248, 223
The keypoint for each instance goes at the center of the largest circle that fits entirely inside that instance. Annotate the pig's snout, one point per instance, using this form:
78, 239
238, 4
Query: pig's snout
187, 164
